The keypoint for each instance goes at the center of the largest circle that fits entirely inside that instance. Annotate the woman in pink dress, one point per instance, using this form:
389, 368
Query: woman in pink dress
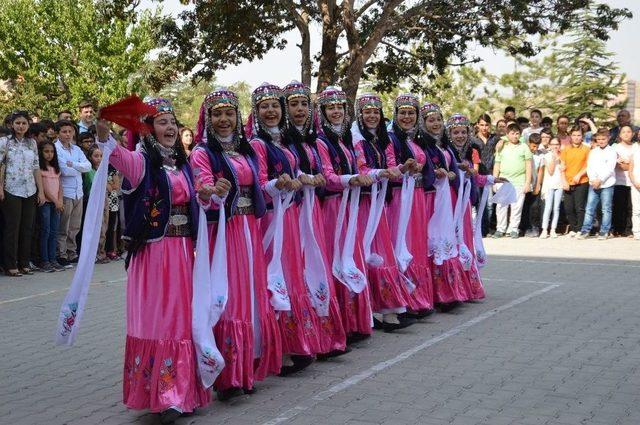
300, 138
448, 278
161, 207
404, 134
278, 177
375, 157
340, 170
247, 333
459, 131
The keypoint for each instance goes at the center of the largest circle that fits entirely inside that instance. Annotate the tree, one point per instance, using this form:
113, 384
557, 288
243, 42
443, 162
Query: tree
576, 76
386, 40
55, 53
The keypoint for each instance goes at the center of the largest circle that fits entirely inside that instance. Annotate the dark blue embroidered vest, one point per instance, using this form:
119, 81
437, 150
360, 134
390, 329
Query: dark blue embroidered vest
336, 163
148, 206
217, 160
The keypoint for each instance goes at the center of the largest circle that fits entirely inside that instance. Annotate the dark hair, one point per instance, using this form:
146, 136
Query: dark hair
513, 127
65, 123
94, 147
510, 109
193, 139
535, 138
381, 140
522, 120
47, 124
155, 157
501, 120
630, 128
546, 131
85, 135
293, 137
14, 116
4, 131
402, 136
35, 129
604, 131
576, 128
334, 139
54, 161
563, 116
484, 117
547, 120
536, 111
85, 104
64, 111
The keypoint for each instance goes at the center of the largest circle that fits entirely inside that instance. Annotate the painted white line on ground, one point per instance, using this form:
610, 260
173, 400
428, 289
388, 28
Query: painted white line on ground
349, 382
55, 291
541, 282
572, 263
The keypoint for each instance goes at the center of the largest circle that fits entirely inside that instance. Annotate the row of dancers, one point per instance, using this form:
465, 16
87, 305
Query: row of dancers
308, 231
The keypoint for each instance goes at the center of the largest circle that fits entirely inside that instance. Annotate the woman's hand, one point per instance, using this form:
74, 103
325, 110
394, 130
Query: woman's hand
306, 180
294, 185
205, 191
222, 187
463, 166
409, 165
283, 181
319, 180
440, 173
394, 173
41, 199
451, 175
500, 180
60, 206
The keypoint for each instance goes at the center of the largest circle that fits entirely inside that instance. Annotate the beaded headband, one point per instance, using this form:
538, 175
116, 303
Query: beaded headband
457, 120
430, 108
162, 105
296, 89
264, 92
331, 95
221, 98
368, 101
407, 100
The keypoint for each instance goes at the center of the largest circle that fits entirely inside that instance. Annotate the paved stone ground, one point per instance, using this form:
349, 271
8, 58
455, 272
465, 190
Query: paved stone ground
556, 342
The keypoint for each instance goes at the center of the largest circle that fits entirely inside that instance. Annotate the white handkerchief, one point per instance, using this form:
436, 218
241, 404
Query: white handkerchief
505, 195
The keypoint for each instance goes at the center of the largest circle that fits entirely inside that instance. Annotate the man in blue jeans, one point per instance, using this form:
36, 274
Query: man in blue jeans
601, 166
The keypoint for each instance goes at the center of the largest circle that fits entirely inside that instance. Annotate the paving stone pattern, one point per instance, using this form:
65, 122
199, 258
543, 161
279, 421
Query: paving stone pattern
570, 355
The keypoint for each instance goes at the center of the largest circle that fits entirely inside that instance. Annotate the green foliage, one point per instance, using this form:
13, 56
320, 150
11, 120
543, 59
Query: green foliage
56, 53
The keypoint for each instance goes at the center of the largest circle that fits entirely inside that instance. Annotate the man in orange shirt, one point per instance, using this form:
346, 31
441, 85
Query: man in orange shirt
575, 181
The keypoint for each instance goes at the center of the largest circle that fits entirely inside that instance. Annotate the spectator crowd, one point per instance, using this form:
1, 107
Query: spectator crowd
572, 178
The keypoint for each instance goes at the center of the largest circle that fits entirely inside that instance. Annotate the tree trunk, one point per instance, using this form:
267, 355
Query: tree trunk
301, 19
331, 29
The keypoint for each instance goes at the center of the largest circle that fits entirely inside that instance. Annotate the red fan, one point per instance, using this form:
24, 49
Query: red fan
128, 113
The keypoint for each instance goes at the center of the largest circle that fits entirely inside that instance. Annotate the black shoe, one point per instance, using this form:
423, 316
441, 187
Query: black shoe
421, 314
333, 353
229, 393
356, 337
447, 307
405, 322
169, 416
299, 363
249, 391
377, 324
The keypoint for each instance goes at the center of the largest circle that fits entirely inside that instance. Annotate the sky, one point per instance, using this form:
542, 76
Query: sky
282, 66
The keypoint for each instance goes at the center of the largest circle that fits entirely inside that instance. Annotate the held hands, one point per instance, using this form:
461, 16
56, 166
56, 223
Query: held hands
319, 180
222, 187
205, 191
463, 166
440, 173
361, 180
283, 181
41, 199
410, 165
59, 206
306, 180
392, 173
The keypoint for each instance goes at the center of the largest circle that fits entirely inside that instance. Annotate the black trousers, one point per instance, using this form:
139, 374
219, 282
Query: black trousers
531, 212
575, 202
621, 218
18, 214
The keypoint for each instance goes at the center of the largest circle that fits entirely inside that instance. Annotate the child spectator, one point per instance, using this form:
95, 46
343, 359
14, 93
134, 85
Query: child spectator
545, 138
622, 192
85, 140
73, 164
601, 166
38, 132
551, 189
547, 123
513, 163
113, 207
634, 176
535, 118
94, 155
575, 182
562, 127
523, 123
49, 212
531, 211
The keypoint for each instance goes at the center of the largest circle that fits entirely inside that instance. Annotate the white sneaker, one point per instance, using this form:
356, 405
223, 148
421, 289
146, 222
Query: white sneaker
636, 236
572, 234
543, 235
554, 234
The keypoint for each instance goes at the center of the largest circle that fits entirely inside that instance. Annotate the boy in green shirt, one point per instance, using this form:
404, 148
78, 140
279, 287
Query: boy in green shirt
514, 163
